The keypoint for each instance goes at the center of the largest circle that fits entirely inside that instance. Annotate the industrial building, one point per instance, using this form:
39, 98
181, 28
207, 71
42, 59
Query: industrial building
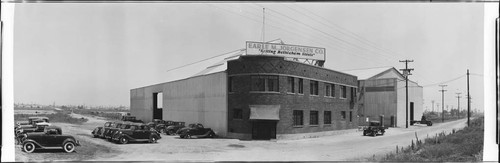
382, 93
266, 91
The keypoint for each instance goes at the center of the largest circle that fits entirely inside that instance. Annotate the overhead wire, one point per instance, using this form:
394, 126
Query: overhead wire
318, 30
269, 21
336, 39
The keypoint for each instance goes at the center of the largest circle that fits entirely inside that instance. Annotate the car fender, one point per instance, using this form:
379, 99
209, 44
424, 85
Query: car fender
33, 141
127, 136
74, 141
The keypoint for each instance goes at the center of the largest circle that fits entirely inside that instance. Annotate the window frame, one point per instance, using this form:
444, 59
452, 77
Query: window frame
314, 118
265, 84
290, 85
343, 92
328, 120
298, 115
314, 88
343, 115
301, 86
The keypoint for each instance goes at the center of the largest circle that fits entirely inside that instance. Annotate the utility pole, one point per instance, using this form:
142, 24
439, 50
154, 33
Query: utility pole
468, 100
442, 100
458, 97
406, 73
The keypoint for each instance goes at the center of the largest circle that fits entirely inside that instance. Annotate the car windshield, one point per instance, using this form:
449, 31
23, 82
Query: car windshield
374, 123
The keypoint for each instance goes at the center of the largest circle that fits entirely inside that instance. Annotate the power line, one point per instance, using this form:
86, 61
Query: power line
316, 29
204, 60
346, 51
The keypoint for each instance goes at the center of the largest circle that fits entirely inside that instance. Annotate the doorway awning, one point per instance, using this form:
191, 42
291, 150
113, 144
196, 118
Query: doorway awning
265, 112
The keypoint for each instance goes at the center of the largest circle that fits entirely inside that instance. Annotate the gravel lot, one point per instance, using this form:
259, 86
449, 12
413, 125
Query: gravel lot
348, 146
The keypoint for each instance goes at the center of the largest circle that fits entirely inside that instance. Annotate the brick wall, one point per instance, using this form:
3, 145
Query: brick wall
241, 71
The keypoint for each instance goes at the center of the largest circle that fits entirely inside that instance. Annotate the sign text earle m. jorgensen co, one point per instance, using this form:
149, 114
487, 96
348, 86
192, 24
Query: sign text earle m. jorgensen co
289, 51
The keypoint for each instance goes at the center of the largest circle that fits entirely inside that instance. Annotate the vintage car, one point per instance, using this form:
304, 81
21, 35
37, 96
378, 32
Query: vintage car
112, 130
374, 128
31, 121
51, 138
136, 132
196, 130
98, 132
131, 119
172, 129
36, 127
160, 125
423, 120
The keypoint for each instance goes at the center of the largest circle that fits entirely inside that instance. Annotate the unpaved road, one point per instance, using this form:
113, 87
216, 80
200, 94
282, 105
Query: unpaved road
349, 146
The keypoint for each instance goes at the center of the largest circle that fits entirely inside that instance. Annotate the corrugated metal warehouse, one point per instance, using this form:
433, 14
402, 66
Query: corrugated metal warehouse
254, 95
382, 93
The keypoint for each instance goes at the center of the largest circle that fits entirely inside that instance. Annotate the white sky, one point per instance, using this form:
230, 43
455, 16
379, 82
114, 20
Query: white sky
93, 54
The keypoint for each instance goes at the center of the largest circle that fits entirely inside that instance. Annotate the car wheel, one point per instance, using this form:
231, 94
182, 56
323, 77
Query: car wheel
152, 139
69, 147
29, 147
123, 140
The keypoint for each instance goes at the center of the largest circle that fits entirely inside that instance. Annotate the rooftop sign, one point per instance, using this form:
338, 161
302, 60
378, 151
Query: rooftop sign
289, 51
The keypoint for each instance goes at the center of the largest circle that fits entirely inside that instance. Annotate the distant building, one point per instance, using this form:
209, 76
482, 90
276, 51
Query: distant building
382, 93
255, 97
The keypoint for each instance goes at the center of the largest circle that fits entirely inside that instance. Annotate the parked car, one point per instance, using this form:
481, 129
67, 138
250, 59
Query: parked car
111, 131
98, 132
160, 125
131, 119
374, 128
423, 120
51, 138
196, 130
136, 132
172, 129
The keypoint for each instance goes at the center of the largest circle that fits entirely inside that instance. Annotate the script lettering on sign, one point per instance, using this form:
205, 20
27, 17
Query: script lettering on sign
289, 51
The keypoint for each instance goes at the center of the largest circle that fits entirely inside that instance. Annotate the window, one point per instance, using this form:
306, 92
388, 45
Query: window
237, 114
298, 116
291, 84
314, 87
313, 120
342, 115
231, 84
329, 90
350, 116
333, 90
343, 92
265, 83
301, 86
327, 117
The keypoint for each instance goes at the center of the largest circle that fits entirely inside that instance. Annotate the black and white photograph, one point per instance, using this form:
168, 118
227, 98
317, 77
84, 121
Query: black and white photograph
249, 81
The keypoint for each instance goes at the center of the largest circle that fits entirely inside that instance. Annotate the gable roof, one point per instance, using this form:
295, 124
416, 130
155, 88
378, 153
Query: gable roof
373, 73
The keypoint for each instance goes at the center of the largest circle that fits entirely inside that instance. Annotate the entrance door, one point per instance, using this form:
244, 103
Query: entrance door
157, 104
264, 130
411, 111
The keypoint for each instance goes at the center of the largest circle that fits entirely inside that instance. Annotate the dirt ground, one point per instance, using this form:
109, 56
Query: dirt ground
349, 146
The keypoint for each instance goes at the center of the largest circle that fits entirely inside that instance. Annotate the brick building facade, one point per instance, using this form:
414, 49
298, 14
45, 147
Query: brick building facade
306, 98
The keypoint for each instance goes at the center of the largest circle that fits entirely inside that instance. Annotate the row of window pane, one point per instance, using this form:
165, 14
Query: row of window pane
298, 117
270, 83
265, 83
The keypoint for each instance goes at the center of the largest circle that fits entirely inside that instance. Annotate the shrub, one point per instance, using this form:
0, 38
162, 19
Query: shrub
59, 116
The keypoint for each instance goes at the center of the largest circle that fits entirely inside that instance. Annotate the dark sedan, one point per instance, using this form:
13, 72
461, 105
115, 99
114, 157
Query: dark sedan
51, 138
